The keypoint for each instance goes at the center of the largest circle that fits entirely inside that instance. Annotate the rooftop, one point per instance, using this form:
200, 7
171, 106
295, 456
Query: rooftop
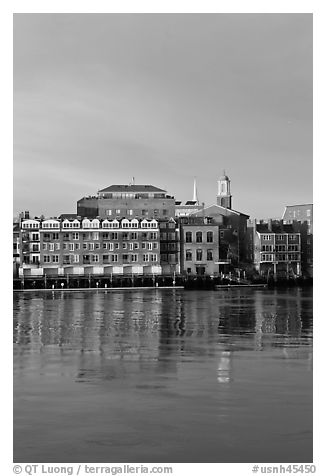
131, 188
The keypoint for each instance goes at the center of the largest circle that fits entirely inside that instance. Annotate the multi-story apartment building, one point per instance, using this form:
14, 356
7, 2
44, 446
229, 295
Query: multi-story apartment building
89, 247
128, 201
276, 248
301, 218
169, 247
199, 246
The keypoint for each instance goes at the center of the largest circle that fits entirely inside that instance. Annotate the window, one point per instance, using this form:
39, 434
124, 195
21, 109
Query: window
292, 237
155, 246
154, 258
149, 246
188, 237
125, 258
66, 236
125, 236
46, 258
146, 258
131, 246
91, 246
221, 234
45, 246
308, 213
77, 246
95, 235
117, 211
51, 246
124, 246
153, 236
97, 246
209, 255
199, 237
55, 236
209, 237
57, 246
71, 247
114, 236
267, 237
134, 258
66, 259
85, 246
281, 237
199, 255
75, 236
55, 258
136, 246
116, 246
108, 212
76, 258
95, 258
188, 255
129, 212
114, 258
143, 245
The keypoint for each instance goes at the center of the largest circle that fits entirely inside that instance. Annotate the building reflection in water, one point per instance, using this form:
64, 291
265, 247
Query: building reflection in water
156, 331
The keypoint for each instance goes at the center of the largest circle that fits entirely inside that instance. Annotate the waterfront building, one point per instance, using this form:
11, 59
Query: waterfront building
301, 218
276, 248
169, 247
128, 201
16, 249
199, 246
87, 246
232, 227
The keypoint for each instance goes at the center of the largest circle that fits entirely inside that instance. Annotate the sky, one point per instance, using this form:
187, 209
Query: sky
165, 98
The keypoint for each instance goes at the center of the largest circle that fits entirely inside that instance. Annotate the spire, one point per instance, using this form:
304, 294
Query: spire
195, 196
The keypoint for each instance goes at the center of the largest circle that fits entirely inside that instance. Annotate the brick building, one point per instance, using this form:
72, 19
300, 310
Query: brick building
199, 246
128, 201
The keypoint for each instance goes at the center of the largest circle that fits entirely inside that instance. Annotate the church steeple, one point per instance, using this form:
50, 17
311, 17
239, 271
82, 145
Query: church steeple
224, 197
195, 196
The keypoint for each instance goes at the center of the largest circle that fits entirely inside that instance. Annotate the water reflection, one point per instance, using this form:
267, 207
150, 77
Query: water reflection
239, 351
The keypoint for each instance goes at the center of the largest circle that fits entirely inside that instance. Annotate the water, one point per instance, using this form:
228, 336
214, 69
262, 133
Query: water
163, 376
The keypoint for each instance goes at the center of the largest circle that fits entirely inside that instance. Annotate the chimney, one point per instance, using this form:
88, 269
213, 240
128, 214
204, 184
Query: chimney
26, 214
269, 224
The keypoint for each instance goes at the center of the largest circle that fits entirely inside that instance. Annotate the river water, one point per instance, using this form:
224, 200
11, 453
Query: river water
163, 375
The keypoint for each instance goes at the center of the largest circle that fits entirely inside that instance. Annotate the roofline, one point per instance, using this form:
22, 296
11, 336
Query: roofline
225, 208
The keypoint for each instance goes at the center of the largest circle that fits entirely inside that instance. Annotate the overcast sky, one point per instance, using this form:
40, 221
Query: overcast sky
102, 98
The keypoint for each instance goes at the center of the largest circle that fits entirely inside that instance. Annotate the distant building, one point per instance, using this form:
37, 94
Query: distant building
128, 201
301, 218
276, 248
199, 246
